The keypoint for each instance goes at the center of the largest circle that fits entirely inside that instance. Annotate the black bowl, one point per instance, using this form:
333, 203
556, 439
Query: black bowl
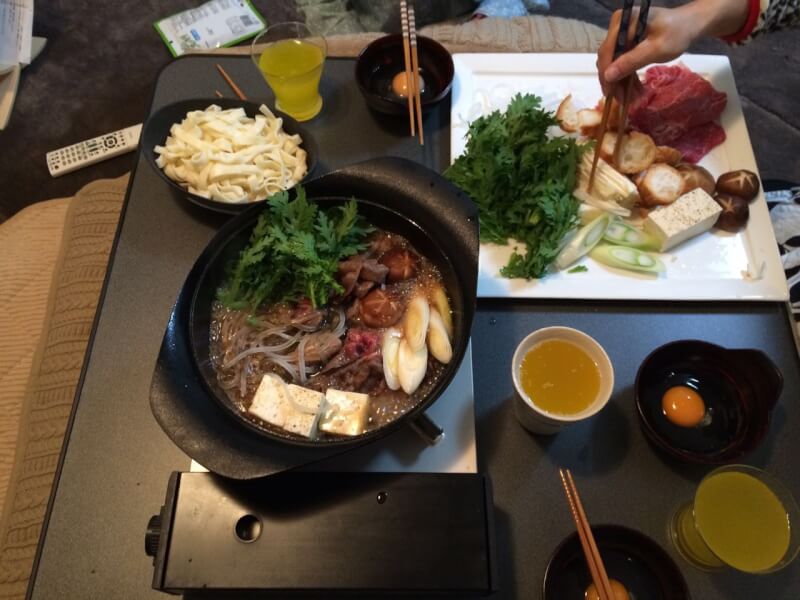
393, 194
381, 60
632, 558
157, 127
740, 387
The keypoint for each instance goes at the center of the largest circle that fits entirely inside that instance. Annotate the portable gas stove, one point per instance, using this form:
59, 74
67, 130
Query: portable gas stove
399, 516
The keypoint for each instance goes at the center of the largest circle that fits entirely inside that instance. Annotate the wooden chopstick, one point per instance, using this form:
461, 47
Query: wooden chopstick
641, 28
620, 47
593, 558
600, 136
231, 82
623, 118
415, 74
407, 62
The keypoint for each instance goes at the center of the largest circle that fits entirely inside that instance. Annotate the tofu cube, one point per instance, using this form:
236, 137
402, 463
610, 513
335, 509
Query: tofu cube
305, 422
690, 215
291, 407
345, 412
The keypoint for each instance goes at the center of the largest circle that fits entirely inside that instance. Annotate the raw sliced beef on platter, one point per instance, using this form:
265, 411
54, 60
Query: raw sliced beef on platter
679, 108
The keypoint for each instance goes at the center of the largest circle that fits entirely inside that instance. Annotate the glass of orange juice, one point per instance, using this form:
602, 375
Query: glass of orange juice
290, 57
741, 517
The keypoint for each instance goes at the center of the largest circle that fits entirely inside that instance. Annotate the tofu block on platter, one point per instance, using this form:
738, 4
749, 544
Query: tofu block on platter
690, 215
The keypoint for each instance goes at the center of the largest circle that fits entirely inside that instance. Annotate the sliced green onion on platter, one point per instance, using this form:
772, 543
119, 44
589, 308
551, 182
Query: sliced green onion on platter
623, 234
624, 257
582, 242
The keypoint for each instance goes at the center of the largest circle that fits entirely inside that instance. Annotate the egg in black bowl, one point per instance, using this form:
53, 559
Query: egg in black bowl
380, 73
158, 128
638, 567
703, 403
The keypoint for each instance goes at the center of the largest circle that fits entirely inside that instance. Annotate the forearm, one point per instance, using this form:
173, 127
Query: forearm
715, 18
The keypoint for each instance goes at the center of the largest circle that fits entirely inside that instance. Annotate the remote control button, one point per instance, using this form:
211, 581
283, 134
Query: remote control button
109, 142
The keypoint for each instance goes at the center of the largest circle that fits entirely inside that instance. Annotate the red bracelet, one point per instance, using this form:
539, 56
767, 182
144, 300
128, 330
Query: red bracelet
754, 10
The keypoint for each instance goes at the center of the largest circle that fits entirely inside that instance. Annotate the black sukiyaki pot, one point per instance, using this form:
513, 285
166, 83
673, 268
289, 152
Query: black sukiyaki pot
396, 196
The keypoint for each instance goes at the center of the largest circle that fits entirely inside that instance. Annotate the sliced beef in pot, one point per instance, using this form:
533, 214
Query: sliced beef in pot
357, 344
372, 270
363, 288
363, 375
321, 346
307, 316
360, 273
349, 270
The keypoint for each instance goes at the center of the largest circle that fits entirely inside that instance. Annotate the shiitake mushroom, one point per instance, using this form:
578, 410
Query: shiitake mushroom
695, 176
735, 212
741, 183
402, 264
380, 308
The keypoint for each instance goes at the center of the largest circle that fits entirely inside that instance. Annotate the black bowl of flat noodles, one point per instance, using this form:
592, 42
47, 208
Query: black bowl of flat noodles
395, 195
157, 129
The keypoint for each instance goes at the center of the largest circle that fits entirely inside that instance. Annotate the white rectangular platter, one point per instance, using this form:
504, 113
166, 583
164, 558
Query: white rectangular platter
713, 266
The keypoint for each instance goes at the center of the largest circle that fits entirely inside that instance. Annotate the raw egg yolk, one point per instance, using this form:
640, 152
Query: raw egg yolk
683, 406
400, 84
620, 593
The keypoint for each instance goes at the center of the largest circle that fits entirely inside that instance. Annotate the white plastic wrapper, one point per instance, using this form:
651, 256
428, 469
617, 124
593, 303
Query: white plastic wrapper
215, 24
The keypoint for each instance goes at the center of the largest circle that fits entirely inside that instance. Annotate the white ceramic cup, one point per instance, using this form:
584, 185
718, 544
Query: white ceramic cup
538, 420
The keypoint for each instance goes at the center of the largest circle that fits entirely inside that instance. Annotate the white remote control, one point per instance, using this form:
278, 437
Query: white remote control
71, 158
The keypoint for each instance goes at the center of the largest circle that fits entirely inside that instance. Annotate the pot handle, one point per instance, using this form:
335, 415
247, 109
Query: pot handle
427, 429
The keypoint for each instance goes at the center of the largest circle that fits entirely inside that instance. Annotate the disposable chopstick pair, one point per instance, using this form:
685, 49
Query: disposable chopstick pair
230, 82
620, 47
411, 63
407, 62
593, 558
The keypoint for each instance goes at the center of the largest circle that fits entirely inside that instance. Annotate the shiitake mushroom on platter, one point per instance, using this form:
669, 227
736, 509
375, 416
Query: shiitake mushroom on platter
741, 183
735, 212
695, 176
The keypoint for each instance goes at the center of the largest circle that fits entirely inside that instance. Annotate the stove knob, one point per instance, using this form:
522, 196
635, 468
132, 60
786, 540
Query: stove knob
153, 536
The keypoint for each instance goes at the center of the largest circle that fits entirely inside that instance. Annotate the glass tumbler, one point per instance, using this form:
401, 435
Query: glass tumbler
741, 517
290, 57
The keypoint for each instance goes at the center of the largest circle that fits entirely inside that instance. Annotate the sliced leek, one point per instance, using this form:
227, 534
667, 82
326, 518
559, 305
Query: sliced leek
611, 191
588, 213
390, 346
624, 257
582, 242
624, 234
438, 340
604, 205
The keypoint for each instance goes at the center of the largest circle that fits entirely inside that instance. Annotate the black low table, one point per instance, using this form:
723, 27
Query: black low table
117, 461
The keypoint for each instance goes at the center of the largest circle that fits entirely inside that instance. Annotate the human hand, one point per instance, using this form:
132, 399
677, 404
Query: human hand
669, 34
670, 31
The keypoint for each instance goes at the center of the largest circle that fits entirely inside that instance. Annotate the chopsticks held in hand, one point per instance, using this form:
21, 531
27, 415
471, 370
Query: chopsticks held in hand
593, 559
411, 58
621, 47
